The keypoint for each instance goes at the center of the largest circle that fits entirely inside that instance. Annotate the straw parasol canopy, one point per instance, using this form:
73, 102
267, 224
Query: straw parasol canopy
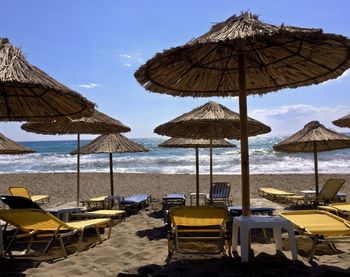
210, 121
243, 56
8, 146
28, 93
313, 138
97, 123
111, 143
343, 121
198, 143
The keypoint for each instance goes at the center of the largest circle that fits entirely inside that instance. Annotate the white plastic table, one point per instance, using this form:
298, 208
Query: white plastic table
245, 223
202, 195
312, 194
63, 213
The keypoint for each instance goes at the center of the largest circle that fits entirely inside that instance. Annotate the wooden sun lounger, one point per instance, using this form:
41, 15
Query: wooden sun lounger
273, 194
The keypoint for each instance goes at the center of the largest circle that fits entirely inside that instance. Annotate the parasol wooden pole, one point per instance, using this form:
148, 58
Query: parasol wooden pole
316, 168
111, 172
244, 134
197, 177
211, 162
78, 170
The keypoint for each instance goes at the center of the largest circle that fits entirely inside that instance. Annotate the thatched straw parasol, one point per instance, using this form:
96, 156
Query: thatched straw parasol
314, 137
343, 121
243, 56
210, 121
97, 123
111, 143
8, 146
28, 93
198, 143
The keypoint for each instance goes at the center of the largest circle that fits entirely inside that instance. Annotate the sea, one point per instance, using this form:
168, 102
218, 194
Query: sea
53, 156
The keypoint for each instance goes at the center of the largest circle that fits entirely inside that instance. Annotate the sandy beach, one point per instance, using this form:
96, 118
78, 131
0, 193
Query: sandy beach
138, 246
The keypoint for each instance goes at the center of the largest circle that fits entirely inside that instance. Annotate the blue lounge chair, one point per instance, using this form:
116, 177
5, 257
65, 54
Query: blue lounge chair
136, 202
220, 193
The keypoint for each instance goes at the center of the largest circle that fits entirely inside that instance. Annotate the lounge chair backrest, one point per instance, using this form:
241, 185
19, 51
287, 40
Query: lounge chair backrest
330, 189
19, 202
198, 216
19, 191
220, 190
33, 220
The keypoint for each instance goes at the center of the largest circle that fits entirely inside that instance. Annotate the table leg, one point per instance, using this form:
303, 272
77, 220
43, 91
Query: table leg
293, 244
244, 239
235, 226
277, 236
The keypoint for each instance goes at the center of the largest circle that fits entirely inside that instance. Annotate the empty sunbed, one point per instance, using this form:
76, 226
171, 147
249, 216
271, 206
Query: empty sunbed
36, 225
220, 193
237, 211
319, 226
326, 195
341, 209
173, 199
95, 203
198, 224
22, 191
273, 194
135, 202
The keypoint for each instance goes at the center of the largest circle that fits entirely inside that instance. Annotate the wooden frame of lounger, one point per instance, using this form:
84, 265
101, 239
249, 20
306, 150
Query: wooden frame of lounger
340, 226
192, 221
23, 191
37, 224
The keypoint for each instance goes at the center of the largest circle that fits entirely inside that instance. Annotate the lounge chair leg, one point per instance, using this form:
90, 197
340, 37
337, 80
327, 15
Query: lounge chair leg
29, 245
7, 250
313, 249
59, 238
98, 233
110, 228
80, 239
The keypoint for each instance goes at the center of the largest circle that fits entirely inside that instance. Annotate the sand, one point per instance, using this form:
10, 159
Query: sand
138, 246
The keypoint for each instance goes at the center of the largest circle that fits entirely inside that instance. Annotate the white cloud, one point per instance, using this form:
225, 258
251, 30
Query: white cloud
131, 59
289, 119
91, 85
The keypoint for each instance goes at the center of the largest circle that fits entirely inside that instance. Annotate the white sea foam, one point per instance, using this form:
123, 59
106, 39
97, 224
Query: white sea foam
55, 158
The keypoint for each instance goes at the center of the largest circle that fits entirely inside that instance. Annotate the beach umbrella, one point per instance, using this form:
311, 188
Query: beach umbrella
111, 143
196, 144
210, 121
28, 93
97, 123
8, 146
343, 121
243, 56
313, 138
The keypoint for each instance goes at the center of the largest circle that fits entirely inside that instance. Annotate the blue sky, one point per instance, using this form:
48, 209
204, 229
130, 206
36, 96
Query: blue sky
94, 47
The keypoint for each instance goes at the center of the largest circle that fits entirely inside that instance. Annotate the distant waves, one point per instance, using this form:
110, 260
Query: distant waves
53, 156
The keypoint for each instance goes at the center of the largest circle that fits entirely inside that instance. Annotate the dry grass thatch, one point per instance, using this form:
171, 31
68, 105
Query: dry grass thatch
210, 121
97, 123
28, 93
313, 137
8, 146
276, 57
193, 143
111, 143
343, 122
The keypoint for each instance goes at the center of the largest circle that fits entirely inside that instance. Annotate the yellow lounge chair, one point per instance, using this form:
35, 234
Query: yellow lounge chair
341, 209
326, 195
203, 223
320, 226
95, 203
22, 191
112, 214
273, 194
37, 224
